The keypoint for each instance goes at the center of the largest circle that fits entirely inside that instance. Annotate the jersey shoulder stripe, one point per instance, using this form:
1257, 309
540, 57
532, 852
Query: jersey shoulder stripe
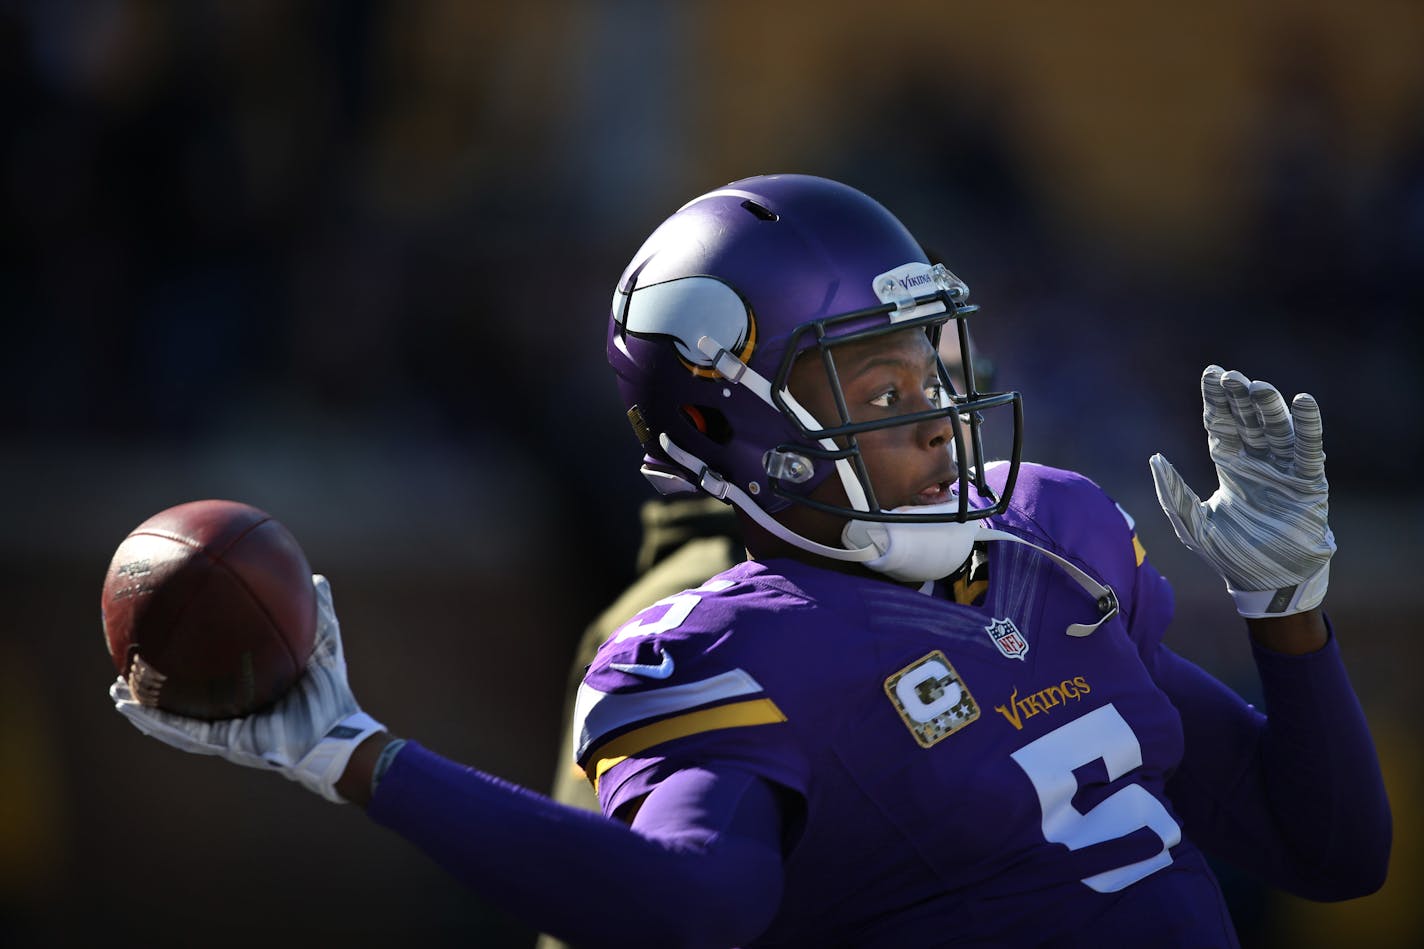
742, 714
599, 715
693, 667
1139, 552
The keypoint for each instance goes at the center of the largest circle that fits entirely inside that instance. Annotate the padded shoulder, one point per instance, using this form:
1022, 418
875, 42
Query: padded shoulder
1070, 513
1073, 515
691, 664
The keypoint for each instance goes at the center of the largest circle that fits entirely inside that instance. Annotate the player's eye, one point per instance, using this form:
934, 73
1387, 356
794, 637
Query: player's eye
886, 399
935, 395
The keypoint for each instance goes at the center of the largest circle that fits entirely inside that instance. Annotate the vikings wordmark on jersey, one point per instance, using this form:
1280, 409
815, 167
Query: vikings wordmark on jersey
1016, 709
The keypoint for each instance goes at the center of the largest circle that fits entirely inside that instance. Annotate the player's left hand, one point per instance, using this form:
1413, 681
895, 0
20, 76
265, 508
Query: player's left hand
308, 735
1265, 528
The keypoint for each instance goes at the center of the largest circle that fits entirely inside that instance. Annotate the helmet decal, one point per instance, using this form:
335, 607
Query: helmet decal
687, 309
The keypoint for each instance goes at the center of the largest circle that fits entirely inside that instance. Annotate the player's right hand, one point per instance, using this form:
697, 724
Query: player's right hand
308, 735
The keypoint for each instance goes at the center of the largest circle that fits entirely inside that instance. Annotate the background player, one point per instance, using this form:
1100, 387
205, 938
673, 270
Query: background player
994, 746
686, 541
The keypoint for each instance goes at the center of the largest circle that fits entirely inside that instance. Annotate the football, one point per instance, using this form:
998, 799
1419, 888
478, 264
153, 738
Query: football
209, 609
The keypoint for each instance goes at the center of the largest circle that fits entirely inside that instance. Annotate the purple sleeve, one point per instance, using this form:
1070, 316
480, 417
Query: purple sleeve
702, 856
1297, 797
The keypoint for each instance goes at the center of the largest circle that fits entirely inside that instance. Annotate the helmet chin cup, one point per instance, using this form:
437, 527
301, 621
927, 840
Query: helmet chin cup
915, 552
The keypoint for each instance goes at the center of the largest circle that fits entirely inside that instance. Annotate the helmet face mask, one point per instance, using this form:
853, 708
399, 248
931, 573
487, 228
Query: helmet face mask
746, 283
964, 410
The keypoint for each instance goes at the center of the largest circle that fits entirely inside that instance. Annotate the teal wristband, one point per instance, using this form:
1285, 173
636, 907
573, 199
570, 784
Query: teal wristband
388, 754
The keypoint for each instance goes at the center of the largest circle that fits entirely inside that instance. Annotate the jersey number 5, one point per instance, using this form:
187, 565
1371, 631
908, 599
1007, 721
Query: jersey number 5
679, 608
1103, 734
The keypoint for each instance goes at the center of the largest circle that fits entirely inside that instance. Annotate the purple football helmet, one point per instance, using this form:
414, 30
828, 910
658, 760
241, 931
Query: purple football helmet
717, 305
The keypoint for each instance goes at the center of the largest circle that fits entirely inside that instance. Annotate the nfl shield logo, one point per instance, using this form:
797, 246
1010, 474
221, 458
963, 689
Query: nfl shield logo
1008, 638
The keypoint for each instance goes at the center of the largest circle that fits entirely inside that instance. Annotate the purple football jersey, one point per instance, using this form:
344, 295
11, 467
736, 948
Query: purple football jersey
970, 774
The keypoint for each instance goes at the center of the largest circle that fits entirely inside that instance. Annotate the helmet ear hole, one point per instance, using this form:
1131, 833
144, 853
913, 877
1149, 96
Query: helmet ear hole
709, 421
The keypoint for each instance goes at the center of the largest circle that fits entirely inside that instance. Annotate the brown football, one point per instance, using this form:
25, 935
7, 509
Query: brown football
209, 609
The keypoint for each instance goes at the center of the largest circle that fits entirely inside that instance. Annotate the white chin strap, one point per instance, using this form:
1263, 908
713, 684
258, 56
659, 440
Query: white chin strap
1104, 595
911, 552
920, 552
717, 486
925, 552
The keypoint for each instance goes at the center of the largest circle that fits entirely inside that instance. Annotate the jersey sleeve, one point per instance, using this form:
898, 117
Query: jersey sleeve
1296, 796
1150, 603
703, 855
677, 685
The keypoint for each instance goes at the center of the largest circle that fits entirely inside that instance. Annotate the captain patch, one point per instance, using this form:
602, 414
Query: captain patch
931, 698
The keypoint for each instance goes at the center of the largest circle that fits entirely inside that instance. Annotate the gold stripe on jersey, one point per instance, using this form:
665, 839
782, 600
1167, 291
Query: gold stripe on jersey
1137, 548
966, 591
971, 582
602, 765
736, 715
598, 714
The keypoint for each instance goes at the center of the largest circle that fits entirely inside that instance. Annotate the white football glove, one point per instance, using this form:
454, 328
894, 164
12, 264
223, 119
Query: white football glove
1265, 529
308, 735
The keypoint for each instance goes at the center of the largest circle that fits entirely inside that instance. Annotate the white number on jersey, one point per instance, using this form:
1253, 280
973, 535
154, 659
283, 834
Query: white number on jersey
1049, 762
679, 608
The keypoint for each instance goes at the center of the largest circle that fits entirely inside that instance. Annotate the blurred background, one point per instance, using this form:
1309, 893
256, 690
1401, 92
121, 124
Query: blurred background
351, 261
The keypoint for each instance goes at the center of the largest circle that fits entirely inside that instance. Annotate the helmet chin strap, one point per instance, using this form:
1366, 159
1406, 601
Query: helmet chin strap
918, 552
732, 369
1104, 595
912, 552
722, 489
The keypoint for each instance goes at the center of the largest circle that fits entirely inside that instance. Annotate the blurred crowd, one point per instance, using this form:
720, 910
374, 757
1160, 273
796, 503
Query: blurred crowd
364, 251
234, 212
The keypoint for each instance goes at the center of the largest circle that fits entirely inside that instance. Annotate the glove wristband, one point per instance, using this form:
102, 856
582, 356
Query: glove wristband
1262, 604
322, 767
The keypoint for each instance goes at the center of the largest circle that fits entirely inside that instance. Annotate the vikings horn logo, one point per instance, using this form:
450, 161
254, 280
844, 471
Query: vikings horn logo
687, 309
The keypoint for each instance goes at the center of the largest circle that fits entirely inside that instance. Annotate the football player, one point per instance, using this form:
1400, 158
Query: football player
934, 707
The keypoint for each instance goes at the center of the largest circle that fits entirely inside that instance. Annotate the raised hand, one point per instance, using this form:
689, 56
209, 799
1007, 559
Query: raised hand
1265, 529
